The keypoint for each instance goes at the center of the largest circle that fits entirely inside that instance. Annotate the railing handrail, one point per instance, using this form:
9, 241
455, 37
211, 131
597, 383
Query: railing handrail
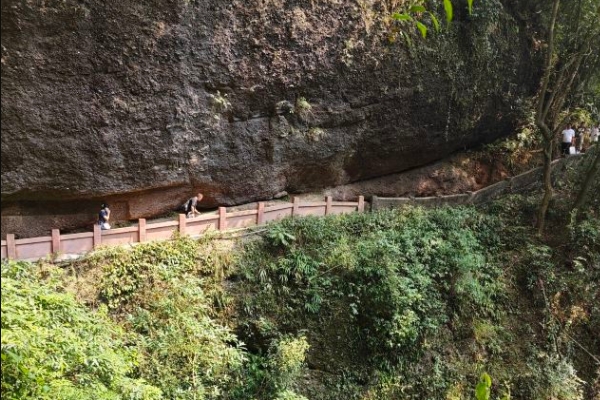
77, 244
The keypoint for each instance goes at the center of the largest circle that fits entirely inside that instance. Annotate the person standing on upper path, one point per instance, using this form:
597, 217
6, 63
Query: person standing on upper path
567, 140
595, 134
104, 217
191, 209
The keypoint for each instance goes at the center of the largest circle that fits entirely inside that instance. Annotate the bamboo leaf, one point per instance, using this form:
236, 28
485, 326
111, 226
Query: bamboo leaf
436, 23
470, 3
485, 378
401, 17
449, 10
422, 29
482, 392
416, 9
407, 38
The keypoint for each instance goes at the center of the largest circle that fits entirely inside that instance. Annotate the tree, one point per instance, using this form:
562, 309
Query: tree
592, 172
571, 72
573, 31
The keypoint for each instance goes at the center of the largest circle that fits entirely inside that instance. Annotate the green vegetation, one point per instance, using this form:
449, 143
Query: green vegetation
55, 348
387, 269
417, 9
449, 303
315, 134
376, 287
303, 107
572, 32
157, 292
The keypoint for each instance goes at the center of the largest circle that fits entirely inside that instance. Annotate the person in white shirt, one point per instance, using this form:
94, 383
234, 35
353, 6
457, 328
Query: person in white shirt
595, 134
567, 140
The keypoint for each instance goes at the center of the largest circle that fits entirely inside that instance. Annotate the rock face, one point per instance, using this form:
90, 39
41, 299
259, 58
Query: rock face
142, 104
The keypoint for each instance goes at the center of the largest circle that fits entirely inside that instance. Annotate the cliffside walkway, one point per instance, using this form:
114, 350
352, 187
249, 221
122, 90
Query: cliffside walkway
60, 247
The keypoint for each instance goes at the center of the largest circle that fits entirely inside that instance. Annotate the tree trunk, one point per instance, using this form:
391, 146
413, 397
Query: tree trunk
547, 184
587, 183
545, 100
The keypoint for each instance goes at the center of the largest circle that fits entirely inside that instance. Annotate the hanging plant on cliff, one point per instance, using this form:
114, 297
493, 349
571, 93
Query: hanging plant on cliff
417, 13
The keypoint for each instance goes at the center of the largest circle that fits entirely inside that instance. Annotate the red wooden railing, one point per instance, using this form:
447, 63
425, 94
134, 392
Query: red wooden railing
74, 244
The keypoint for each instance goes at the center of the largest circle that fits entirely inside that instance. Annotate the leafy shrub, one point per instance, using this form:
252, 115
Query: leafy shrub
274, 374
128, 271
303, 107
585, 234
186, 352
555, 378
397, 276
288, 360
156, 291
54, 348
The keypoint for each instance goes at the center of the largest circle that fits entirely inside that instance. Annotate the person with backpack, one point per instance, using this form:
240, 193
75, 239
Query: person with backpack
104, 217
191, 205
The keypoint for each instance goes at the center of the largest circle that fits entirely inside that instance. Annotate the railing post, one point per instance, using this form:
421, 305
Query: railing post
182, 224
328, 205
142, 230
11, 247
471, 196
361, 203
260, 215
55, 241
296, 206
222, 218
97, 236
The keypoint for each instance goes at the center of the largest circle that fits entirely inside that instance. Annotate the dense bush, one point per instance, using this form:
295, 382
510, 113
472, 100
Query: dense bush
167, 295
560, 274
54, 348
273, 375
394, 278
407, 304
158, 293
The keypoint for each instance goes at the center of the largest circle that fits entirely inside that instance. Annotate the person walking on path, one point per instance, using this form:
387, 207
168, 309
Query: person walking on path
104, 217
595, 134
191, 209
567, 140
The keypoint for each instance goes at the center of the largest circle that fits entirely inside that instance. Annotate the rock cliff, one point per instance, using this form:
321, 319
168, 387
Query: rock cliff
143, 103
